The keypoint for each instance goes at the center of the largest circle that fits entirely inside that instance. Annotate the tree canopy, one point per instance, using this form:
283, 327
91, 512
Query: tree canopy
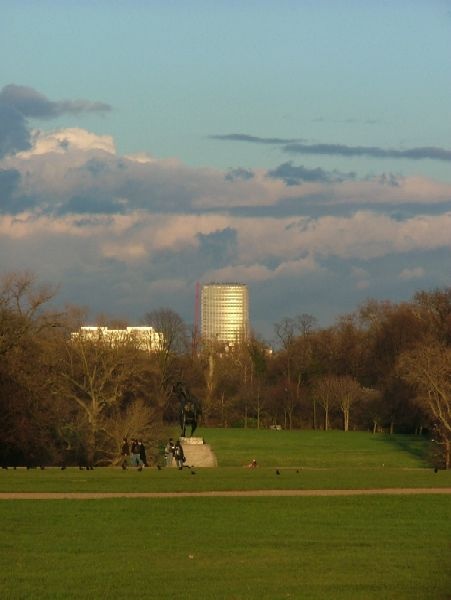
385, 366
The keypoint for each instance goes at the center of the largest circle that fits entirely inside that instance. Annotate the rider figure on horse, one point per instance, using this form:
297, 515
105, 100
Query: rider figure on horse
189, 408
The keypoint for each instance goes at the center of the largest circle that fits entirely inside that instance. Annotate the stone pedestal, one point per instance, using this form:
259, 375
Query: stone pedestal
197, 452
192, 441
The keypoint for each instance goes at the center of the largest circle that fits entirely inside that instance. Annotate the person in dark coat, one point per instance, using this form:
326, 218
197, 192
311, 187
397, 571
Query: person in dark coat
135, 459
142, 453
125, 453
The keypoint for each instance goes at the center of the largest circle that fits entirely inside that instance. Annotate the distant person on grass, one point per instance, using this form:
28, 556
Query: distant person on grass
125, 453
169, 452
135, 458
142, 453
252, 464
179, 455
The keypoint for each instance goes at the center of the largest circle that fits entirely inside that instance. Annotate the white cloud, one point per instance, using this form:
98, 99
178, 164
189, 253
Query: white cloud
414, 273
61, 141
359, 273
141, 157
363, 284
362, 278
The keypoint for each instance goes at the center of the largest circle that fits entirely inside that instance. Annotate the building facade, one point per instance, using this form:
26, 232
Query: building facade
224, 313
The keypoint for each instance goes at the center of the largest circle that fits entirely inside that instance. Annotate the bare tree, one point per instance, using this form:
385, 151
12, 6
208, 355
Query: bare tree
23, 308
341, 391
435, 309
325, 391
137, 420
294, 336
428, 369
257, 352
173, 328
96, 375
348, 391
175, 342
27, 415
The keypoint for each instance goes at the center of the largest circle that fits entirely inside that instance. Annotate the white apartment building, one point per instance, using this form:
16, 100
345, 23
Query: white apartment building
225, 313
145, 337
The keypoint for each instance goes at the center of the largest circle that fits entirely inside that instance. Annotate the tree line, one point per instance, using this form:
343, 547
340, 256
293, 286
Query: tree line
64, 400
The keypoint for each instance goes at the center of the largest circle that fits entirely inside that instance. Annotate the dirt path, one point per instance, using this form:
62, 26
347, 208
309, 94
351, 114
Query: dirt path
222, 494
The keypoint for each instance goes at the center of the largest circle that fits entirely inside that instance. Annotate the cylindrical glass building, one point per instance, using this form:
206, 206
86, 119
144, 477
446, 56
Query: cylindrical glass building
225, 313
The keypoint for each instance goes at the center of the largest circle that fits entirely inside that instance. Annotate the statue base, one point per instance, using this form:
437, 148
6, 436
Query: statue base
197, 453
192, 441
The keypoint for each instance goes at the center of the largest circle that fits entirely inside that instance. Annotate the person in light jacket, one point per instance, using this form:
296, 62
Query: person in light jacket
179, 455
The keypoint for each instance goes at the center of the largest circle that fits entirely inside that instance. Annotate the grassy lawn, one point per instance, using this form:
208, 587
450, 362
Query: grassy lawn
354, 547
235, 548
305, 460
235, 447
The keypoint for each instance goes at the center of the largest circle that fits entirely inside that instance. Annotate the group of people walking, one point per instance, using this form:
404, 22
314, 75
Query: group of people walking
174, 452
133, 454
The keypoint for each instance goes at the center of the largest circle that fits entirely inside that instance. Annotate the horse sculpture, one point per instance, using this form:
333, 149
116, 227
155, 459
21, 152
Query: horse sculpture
189, 410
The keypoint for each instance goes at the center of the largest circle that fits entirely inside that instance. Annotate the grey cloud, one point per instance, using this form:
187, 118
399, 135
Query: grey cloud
299, 147
293, 175
96, 167
33, 104
427, 152
239, 173
242, 137
105, 185
219, 245
92, 221
9, 180
348, 121
14, 132
19, 103
11, 202
389, 179
92, 204
215, 250
64, 144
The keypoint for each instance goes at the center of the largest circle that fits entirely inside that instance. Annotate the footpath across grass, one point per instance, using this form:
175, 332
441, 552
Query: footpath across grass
219, 479
235, 548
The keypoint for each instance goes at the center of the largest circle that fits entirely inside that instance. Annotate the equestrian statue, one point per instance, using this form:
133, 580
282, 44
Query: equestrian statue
189, 408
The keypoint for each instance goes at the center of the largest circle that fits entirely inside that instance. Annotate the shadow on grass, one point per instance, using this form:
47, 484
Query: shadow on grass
416, 446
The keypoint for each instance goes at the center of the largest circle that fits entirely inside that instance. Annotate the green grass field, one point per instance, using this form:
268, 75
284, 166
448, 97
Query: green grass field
316, 449
234, 548
306, 460
353, 547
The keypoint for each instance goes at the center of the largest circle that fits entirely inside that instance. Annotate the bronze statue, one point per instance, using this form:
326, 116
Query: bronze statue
189, 410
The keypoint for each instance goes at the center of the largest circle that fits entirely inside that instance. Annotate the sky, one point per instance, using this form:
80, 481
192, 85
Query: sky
300, 147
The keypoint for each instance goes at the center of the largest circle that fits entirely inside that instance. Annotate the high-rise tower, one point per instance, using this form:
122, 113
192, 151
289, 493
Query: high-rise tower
225, 313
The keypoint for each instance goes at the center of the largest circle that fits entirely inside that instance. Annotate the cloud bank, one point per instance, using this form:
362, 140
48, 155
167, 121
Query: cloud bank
125, 234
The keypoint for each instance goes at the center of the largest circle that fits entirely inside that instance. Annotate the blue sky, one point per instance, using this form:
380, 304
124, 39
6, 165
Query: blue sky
300, 147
